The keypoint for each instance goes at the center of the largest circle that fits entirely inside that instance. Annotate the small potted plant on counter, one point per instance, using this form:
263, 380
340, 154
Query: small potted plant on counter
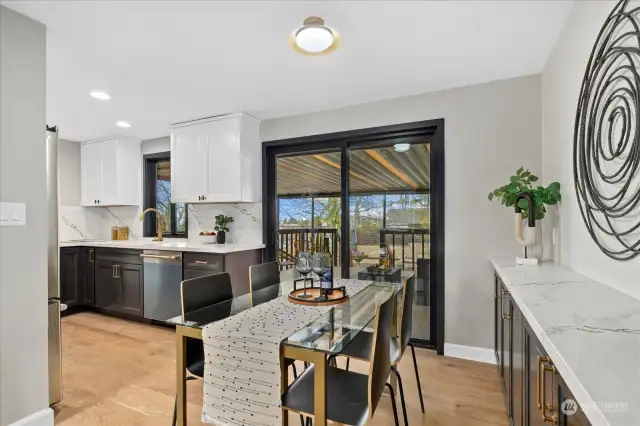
207, 237
529, 202
222, 226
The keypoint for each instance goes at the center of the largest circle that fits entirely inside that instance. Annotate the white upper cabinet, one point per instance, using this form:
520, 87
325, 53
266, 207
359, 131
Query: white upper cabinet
217, 160
111, 171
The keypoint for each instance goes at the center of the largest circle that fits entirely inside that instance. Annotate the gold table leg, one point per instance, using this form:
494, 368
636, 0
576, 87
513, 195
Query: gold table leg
320, 390
181, 370
181, 379
284, 384
319, 360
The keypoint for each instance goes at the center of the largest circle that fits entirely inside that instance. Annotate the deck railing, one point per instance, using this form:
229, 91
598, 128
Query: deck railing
407, 245
293, 240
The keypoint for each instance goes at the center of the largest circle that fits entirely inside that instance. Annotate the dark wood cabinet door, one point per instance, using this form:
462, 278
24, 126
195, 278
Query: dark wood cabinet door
517, 364
569, 412
107, 291
70, 291
89, 262
130, 280
497, 322
507, 315
195, 273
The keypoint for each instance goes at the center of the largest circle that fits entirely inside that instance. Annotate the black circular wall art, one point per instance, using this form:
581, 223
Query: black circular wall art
606, 145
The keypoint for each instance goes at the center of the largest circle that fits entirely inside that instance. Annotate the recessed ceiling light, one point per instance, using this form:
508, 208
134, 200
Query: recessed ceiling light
314, 37
402, 147
123, 123
103, 96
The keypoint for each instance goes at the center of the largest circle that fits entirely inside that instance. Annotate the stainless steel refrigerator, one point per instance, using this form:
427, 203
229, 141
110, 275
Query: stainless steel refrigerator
54, 305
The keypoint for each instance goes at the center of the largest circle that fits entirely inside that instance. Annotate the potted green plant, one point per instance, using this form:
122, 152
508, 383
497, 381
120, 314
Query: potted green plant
222, 226
523, 181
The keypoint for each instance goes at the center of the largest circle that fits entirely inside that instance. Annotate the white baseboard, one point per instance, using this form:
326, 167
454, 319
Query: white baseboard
471, 353
41, 418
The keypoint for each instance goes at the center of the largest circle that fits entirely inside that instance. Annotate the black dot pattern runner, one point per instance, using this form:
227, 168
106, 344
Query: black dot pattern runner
242, 355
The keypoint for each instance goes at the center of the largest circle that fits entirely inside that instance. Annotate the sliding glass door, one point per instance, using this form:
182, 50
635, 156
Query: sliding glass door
367, 199
308, 207
389, 216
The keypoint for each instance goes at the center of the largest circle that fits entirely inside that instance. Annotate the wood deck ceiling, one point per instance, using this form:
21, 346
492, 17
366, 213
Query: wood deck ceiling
371, 171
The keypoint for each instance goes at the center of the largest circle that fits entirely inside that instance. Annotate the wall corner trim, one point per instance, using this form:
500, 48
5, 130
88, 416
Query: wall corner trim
471, 353
40, 418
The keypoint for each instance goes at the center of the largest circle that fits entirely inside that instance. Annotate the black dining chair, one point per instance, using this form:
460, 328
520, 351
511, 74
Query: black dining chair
195, 294
263, 275
360, 347
352, 398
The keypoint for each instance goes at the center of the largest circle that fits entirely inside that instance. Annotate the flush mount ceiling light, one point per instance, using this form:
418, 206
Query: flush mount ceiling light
122, 123
402, 147
314, 38
103, 96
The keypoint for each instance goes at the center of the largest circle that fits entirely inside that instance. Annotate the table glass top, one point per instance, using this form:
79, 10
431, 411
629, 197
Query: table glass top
330, 332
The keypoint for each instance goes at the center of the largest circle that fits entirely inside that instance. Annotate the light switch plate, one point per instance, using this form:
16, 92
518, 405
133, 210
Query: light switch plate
13, 214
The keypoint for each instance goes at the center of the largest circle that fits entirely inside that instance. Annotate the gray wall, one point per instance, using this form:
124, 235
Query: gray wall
491, 129
69, 173
561, 81
151, 146
23, 259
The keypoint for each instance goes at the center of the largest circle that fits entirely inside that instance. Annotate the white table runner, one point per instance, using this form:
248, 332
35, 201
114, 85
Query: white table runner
242, 360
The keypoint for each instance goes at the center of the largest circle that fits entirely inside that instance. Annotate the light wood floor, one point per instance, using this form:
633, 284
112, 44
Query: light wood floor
118, 372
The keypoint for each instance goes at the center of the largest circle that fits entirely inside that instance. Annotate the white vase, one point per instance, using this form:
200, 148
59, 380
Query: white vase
536, 250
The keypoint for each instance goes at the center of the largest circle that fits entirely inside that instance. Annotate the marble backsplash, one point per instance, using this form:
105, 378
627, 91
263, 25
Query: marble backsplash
95, 223
245, 229
77, 222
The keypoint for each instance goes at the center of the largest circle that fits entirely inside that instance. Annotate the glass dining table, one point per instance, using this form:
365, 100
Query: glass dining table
314, 343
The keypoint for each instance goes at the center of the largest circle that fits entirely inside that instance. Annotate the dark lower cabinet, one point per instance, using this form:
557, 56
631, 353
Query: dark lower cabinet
196, 273
570, 413
111, 279
106, 293
534, 390
88, 259
517, 365
129, 280
497, 318
71, 285
119, 288
532, 406
506, 315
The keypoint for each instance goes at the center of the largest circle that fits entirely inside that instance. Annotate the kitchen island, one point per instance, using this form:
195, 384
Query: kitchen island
562, 337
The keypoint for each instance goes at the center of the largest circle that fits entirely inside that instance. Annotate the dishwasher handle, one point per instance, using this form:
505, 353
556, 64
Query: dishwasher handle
159, 256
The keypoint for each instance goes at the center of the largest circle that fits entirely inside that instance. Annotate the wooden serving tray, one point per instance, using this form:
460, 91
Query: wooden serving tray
337, 296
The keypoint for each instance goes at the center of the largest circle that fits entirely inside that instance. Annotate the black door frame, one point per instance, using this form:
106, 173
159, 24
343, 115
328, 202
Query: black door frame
415, 132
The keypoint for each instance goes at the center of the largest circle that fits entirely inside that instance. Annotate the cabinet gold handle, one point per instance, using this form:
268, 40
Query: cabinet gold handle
541, 359
202, 262
547, 407
113, 271
504, 316
91, 255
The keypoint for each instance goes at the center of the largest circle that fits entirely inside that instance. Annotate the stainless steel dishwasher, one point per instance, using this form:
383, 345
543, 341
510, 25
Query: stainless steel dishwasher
162, 278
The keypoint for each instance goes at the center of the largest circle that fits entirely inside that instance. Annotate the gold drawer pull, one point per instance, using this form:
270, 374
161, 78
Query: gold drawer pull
547, 407
504, 316
202, 262
541, 359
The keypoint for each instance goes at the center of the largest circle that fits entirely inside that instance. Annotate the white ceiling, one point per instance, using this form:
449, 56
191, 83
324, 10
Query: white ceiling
165, 62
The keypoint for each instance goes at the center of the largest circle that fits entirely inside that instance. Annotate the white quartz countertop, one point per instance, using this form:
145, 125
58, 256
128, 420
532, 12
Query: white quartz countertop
590, 331
167, 244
